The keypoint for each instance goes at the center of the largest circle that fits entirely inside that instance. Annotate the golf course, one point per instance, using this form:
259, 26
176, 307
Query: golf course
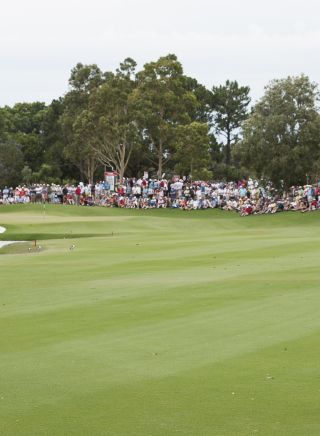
158, 322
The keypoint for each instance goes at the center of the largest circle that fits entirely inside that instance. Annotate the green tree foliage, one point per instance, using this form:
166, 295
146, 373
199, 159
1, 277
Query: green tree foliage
112, 117
26, 175
2, 125
193, 150
83, 79
55, 142
230, 108
163, 101
23, 125
282, 135
47, 174
11, 164
199, 107
160, 120
77, 130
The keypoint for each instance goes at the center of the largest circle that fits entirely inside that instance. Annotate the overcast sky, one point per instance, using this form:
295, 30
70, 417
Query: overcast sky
251, 41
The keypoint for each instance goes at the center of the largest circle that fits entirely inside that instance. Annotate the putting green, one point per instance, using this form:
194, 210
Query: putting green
158, 323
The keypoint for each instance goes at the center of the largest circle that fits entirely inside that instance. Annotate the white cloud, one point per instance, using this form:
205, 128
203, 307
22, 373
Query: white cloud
251, 41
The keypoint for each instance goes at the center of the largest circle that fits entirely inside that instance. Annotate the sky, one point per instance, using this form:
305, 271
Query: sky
251, 41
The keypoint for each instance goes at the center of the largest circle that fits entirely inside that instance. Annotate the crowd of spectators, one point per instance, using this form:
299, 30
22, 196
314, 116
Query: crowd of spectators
247, 197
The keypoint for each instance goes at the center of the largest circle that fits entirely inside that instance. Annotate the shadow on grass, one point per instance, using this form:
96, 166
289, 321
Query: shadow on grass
46, 236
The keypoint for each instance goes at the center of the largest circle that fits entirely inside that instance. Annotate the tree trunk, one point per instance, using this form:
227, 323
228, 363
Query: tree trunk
90, 169
122, 162
228, 148
81, 170
160, 160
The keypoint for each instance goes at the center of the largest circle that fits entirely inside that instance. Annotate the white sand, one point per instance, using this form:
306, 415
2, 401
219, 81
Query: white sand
3, 243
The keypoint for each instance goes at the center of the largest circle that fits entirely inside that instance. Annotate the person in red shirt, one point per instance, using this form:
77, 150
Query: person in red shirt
78, 194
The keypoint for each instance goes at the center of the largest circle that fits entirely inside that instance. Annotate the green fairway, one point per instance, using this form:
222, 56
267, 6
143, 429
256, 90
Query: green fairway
159, 322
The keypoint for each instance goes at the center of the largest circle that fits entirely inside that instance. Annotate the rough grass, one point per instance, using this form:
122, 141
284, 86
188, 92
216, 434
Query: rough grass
159, 323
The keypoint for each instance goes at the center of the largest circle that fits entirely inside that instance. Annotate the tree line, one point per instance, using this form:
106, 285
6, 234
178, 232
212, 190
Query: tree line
161, 121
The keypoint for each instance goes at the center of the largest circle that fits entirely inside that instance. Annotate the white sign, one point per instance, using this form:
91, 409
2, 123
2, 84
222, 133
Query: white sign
109, 178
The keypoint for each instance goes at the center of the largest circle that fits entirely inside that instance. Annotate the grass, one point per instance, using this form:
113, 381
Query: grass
158, 323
